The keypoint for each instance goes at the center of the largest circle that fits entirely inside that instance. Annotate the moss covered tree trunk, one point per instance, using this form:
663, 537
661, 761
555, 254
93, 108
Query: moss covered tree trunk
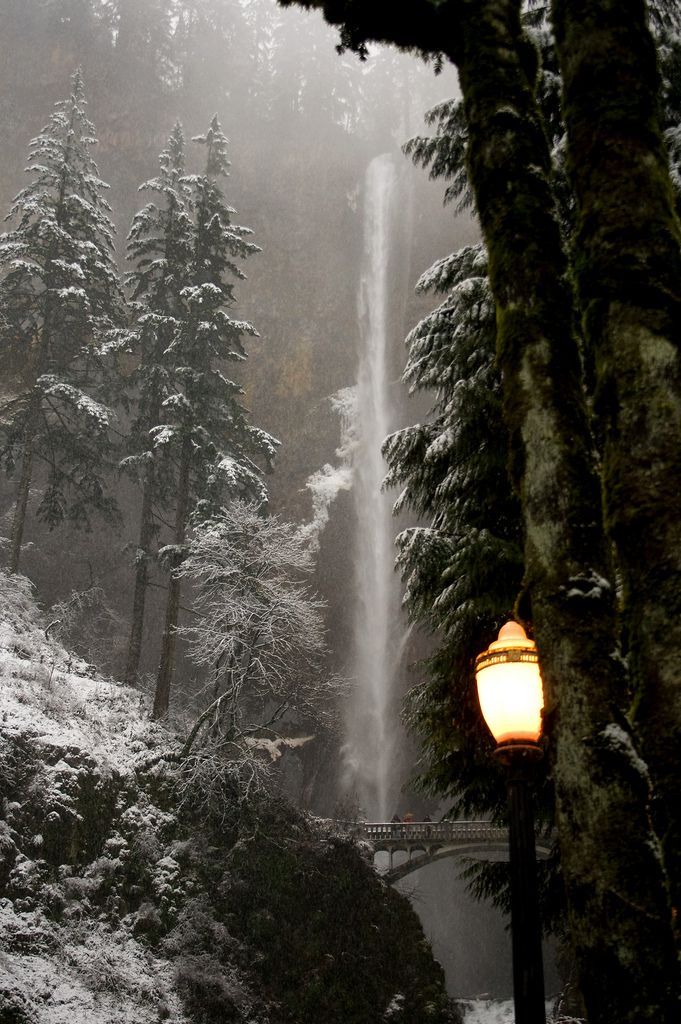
616, 894
629, 274
168, 643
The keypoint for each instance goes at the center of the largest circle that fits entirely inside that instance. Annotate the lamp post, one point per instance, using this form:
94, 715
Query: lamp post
511, 700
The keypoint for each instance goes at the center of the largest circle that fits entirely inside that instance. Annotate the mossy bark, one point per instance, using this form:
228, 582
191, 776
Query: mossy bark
629, 274
616, 894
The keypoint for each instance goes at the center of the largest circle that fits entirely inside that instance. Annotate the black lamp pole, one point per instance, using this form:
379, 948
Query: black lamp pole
528, 970
511, 700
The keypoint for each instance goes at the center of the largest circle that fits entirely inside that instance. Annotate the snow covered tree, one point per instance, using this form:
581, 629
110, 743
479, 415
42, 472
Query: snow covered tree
259, 629
160, 247
59, 297
205, 436
464, 569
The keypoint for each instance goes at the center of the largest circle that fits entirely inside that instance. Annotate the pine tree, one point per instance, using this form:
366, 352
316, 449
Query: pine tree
463, 569
159, 246
205, 435
59, 297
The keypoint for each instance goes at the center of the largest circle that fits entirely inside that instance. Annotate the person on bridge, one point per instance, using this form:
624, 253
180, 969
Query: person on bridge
395, 820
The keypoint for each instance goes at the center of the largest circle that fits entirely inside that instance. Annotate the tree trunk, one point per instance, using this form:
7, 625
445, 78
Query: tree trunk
141, 580
167, 663
616, 894
629, 274
23, 491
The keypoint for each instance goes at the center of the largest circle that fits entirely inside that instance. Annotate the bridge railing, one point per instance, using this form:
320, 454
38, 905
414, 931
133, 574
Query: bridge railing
433, 831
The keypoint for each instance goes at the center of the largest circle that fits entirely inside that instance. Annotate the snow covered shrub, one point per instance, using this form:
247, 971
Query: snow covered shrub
395, 1010
106, 960
146, 923
26, 881
259, 631
167, 884
21, 621
207, 959
216, 779
86, 624
80, 893
126, 873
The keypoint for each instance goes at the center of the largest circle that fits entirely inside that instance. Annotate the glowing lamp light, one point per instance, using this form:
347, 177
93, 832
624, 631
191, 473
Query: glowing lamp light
510, 687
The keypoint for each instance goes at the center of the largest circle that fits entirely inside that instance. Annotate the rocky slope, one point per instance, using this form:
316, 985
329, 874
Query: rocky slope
121, 902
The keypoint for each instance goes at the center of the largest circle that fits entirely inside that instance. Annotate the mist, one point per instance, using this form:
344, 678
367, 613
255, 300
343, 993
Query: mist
304, 125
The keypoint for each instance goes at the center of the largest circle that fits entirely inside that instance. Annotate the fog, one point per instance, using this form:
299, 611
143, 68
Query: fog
304, 124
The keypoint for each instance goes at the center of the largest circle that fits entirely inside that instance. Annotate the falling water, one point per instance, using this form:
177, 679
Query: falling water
371, 724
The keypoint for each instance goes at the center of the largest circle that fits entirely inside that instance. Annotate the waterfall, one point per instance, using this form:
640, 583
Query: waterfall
372, 720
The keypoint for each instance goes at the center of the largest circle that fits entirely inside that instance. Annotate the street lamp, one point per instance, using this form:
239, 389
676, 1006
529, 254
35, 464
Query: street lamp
511, 700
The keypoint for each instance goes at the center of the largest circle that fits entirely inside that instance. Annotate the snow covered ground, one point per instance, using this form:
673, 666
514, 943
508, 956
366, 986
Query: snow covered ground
51, 695
82, 971
93, 976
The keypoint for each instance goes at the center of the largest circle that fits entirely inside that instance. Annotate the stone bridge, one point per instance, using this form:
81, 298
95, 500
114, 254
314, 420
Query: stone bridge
428, 841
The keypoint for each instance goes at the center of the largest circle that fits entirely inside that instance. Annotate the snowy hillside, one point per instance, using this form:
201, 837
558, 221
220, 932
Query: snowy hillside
61, 962
119, 904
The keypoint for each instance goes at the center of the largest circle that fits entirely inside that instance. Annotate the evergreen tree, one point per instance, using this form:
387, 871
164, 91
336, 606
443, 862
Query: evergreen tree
59, 297
463, 569
205, 435
159, 245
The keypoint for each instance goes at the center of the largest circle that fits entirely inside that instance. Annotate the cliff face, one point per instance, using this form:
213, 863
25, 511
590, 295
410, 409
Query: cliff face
119, 904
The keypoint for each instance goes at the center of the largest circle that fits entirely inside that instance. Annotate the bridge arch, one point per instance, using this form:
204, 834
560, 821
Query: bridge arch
426, 842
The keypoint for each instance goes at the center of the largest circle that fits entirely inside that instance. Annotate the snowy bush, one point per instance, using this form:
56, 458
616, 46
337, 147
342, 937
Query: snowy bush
21, 620
86, 623
216, 778
259, 629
